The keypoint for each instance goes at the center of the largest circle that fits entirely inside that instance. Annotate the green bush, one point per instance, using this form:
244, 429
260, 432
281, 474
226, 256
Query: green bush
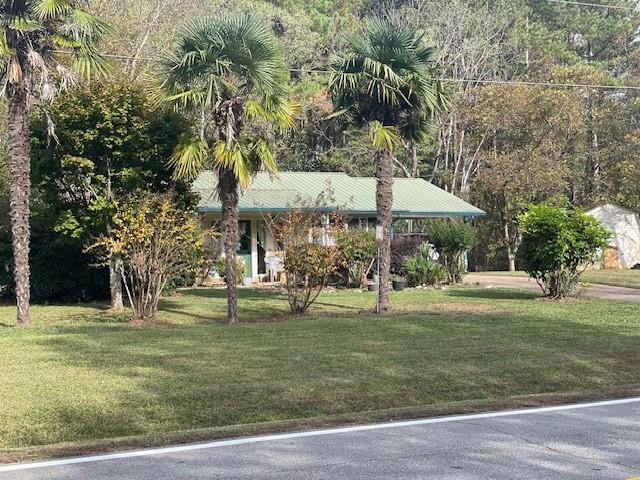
61, 270
451, 240
556, 244
421, 269
357, 249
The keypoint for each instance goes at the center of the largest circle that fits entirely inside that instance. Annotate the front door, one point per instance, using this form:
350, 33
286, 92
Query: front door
244, 246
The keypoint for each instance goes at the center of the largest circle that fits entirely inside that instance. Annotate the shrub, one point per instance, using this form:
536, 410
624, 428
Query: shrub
402, 247
421, 269
307, 267
556, 244
451, 240
61, 270
220, 266
157, 242
357, 249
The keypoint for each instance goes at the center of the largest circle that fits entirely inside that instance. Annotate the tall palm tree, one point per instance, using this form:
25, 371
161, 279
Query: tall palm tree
229, 74
32, 32
386, 80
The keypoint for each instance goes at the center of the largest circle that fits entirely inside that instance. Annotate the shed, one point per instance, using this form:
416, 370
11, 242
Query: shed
624, 244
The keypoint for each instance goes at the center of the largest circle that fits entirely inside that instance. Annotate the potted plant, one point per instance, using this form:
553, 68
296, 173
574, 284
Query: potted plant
399, 282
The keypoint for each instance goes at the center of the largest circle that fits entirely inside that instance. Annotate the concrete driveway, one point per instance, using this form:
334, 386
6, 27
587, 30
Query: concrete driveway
605, 292
589, 441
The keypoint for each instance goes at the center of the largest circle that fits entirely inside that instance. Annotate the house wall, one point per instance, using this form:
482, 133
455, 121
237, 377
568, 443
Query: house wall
261, 235
259, 222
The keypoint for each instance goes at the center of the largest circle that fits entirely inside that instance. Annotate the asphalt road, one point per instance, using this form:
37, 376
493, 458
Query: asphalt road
606, 292
589, 442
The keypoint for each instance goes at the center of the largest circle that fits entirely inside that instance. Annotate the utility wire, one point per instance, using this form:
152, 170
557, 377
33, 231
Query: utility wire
541, 84
442, 79
589, 4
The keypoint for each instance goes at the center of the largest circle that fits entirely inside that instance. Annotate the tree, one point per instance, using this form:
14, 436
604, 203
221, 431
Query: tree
557, 244
523, 135
155, 241
475, 41
385, 80
31, 32
144, 25
109, 143
575, 33
230, 75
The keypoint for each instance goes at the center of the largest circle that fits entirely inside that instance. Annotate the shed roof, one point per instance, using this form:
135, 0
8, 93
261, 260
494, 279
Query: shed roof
413, 197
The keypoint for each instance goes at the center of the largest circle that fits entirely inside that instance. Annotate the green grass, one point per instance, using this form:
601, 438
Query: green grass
616, 278
82, 374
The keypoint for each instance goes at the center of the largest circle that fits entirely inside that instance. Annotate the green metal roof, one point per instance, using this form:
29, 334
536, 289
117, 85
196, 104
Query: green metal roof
412, 197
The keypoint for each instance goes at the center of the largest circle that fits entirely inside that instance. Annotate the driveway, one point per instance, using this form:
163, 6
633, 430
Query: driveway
605, 292
589, 441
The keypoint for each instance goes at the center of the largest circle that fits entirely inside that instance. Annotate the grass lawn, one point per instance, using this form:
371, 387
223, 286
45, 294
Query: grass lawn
617, 278
83, 375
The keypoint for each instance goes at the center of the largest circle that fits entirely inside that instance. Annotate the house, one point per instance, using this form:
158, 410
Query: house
624, 244
269, 195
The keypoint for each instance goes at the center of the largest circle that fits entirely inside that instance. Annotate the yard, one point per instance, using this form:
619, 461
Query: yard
83, 375
616, 278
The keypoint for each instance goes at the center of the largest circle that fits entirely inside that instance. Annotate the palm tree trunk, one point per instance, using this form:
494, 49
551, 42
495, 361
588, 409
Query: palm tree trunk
228, 191
384, 204
19, 166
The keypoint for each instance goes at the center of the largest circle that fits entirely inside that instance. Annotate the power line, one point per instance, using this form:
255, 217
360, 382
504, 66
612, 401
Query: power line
442, 79
508, 82
541, 84
589, 4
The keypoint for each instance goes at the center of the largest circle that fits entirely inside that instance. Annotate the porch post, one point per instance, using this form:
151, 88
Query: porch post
254, 249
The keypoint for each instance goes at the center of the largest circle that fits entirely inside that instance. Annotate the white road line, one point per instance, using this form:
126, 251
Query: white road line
310, 433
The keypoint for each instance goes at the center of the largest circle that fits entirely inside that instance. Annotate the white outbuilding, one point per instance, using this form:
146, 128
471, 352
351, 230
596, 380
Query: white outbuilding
624, 244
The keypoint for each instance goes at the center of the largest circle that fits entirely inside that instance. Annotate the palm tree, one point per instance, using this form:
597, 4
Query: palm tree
385, 80
32, 32
229, 74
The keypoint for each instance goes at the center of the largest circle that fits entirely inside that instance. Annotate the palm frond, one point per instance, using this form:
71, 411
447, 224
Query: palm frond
233, 158
5, 50
264, 156
384, 137
187, 98
89, 63
86, 27
276, 110
231, 54
22, 23
65, 41
387, 76
189, 158
49, 9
